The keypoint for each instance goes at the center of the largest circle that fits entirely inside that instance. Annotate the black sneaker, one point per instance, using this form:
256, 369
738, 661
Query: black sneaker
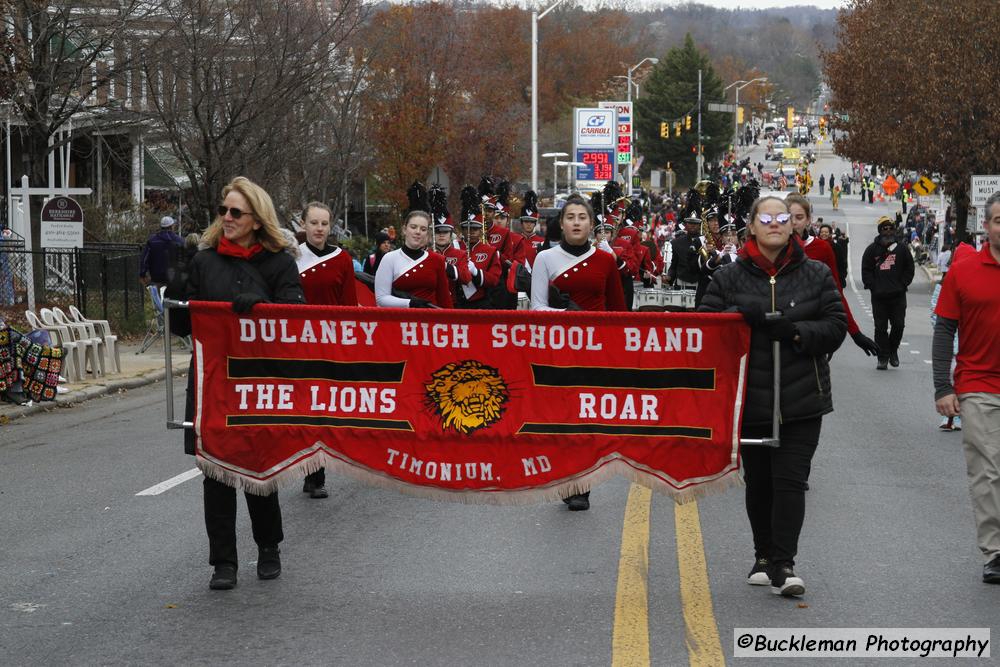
758, 575
224, 578
268, 562
991, 571
308, 486
784, 582
578, 503
883, 364
319, 492
894, 359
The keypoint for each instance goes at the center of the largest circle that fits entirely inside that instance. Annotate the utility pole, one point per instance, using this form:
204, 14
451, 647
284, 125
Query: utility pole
700, 158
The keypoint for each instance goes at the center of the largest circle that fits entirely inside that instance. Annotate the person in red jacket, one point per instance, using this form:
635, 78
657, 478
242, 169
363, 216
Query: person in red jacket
816, 248
482, 259
327, 276
529, 225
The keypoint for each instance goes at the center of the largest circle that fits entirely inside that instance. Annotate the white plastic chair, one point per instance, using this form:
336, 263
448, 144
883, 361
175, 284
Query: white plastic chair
72, 359
103, 331
86, 345
88, 330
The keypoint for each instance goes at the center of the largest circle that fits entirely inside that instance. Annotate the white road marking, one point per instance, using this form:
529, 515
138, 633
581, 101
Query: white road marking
928, 361
914, 351
170, 483
903, 343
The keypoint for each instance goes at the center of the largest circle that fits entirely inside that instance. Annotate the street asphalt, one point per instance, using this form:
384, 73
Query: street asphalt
93, 574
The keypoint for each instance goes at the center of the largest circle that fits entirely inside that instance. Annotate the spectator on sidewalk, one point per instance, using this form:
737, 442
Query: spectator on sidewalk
970, 304
159, 254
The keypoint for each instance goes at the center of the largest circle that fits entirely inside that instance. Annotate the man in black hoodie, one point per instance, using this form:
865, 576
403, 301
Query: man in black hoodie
887, 271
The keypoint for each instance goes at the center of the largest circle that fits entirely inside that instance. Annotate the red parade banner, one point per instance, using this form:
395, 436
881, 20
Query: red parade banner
474, 406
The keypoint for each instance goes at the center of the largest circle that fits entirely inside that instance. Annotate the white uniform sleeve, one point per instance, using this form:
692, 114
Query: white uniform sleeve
540, 283
383, 283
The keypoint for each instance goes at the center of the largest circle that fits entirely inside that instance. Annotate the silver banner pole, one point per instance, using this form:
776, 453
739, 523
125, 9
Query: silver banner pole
168, 379
774, 440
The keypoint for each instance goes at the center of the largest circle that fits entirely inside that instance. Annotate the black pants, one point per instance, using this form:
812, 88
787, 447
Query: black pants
220, 521
889, 315
317, 478
776, 487
628, 290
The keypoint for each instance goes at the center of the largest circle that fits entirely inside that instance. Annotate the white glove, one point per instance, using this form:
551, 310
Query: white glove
473, 269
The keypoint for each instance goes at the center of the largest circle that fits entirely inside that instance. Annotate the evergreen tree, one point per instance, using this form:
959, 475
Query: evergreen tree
668, 95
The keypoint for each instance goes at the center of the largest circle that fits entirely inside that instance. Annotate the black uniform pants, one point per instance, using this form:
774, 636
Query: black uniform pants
220, 521
628, 290
776, 487
889, 315
317, 478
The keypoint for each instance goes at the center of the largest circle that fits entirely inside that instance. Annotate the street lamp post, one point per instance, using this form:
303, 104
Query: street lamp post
628, 185
555, 162
736, 129
535, 18
569, 174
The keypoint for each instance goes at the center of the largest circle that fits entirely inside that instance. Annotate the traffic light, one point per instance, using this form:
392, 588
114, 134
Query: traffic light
664, 131
694, 149
687, 122
677, 129
790, 118
739, 115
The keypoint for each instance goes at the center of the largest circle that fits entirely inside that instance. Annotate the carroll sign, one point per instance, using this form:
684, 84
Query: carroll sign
62, 223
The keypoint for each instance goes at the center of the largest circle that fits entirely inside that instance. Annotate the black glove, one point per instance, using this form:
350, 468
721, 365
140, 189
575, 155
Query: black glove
452, 272
752, 314
780, 327
420, 303
245, 301
869, 346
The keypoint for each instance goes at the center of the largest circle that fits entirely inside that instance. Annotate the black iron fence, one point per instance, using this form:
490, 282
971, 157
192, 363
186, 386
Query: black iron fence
102, 280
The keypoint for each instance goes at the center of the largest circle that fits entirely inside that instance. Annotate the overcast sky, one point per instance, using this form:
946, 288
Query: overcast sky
763, 4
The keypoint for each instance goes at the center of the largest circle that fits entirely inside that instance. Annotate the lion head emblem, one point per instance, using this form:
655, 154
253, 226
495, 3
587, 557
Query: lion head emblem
468, 395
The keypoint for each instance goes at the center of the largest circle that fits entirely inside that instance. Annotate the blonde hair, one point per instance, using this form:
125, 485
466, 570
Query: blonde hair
261, 208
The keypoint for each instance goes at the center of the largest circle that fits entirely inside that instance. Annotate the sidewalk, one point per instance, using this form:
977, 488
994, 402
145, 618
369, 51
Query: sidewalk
137, 370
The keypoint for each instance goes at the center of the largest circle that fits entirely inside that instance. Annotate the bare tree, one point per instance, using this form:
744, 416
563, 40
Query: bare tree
247, 88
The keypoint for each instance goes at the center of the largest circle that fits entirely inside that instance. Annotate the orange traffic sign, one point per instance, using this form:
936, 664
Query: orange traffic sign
890, 185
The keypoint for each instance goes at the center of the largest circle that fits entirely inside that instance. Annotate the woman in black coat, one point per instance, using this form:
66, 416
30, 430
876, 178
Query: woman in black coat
244, 261
784, 296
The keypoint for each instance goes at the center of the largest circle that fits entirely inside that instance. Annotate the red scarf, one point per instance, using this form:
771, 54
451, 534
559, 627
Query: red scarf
227, 247
751, 251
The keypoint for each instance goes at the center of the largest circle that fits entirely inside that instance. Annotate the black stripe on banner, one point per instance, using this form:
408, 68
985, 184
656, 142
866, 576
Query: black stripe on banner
315, 369
613, 429
302, 420
624, 378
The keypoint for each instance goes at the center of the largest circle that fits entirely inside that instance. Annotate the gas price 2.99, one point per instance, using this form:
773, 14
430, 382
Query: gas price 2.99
599, 164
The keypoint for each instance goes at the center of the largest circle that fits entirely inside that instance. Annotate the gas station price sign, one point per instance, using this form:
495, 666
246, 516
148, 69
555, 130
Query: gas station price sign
600, 164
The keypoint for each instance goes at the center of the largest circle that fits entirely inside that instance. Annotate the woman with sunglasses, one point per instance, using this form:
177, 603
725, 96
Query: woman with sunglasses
410, 269
243, 260
580, 275
790, 299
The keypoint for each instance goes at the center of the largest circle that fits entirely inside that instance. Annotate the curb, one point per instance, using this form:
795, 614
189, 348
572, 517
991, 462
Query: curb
87, 393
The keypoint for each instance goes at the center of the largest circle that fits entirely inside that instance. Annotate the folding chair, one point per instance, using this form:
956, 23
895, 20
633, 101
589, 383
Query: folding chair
103, 330
72, 359
87, 346
155, 329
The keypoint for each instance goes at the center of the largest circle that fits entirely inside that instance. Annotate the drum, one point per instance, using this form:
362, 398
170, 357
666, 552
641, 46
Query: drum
652, 299
679, 299
523, 301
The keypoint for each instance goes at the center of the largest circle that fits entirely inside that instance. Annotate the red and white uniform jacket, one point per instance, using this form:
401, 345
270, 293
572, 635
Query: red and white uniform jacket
484, 265
628, 262
591, 280
421, 278
456, 266
821, 250
327, 279
510, 246
531, 245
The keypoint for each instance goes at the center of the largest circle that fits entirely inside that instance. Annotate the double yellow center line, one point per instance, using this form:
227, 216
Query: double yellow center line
630, 639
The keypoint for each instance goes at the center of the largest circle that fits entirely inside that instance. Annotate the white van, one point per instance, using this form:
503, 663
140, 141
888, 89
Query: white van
770, 129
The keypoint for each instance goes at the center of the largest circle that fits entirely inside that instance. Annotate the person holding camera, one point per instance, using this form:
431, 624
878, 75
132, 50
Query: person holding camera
791, 304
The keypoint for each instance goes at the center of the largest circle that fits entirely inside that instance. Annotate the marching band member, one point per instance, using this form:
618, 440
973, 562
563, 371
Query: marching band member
413, 270
579, 277
509, 246
327, 275
482, 259
244, 261
456, 261
529, 225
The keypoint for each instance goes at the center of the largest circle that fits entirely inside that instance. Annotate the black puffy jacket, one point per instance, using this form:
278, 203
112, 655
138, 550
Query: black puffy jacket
805, 292
215, 277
